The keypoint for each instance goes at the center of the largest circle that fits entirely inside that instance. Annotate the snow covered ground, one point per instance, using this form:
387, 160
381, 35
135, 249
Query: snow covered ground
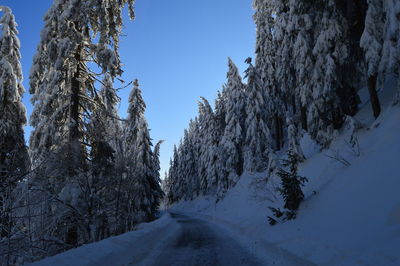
351, 214
179, 240
120, 250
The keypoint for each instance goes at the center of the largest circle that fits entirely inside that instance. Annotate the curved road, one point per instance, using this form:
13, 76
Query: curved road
196, 243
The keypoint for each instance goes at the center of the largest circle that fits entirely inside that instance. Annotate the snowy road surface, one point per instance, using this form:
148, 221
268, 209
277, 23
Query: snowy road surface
176, 240
196, 243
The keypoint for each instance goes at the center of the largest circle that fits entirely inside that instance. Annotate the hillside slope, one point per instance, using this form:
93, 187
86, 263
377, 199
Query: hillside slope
351, 214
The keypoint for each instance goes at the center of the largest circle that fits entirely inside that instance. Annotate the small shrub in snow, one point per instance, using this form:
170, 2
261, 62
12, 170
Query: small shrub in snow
290, 189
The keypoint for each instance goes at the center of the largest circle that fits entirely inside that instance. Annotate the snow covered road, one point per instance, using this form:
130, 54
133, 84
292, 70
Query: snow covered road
196, 243
176, 239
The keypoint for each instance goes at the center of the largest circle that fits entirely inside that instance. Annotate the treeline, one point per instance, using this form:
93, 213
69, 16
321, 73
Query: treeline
311, 59
87, 174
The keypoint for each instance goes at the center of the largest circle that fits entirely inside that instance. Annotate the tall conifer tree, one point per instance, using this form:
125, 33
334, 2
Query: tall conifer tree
14, 160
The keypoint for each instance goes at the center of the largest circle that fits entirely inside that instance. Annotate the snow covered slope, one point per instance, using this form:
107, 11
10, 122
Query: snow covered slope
351, 214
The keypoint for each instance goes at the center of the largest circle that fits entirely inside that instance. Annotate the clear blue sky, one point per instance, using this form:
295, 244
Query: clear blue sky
177, 49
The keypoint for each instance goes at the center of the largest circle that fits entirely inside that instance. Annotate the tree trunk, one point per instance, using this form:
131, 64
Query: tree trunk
74, 107
303, 114
373, 95
75, 149
281, 132
277, 133
294, 105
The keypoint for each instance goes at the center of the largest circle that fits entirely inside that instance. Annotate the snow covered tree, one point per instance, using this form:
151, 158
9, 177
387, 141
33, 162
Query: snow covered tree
156, 161
257, 135
133, 123
14, 159
390, 62
265, 49
282, 98
60, 79
136, 111
173, 177
352, 72
143, 183
103, 129
78, 38
105, 138
266, 65
293, 139
214, 134
232, 141
218, 132
291, 183
207, 146
303, 24
190, 161
330, 52
146, 187
371, 42
290, 189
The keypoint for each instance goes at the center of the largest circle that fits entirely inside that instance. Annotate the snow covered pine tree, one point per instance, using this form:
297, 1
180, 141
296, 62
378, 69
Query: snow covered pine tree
76, 34
290, 189
14, 160
232, 141
371, 42
144, 192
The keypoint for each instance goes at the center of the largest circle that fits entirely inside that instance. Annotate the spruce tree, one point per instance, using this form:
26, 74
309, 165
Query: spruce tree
75, 41
304, 25
330, 52
156, 170
191, 160
104, 136
143, 188
136, 111
146, 187
218, 156
207, 148
14, 159
257, 138
390, 62
232, 141
60, 79
266, 65
371, 42
293, 139
290, 188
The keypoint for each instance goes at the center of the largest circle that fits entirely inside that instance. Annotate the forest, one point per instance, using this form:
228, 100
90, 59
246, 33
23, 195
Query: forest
88, 174
312, 57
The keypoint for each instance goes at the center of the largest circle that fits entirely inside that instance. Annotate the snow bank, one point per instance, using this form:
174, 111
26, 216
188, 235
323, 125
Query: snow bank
115, 250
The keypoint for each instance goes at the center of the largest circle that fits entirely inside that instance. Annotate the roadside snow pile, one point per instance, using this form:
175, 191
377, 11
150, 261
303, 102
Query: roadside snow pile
351, 212
116, 250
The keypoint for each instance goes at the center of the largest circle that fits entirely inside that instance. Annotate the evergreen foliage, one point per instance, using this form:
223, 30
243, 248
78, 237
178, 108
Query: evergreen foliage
91, 178
310, 58
290, 189
14, 159
91, 174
